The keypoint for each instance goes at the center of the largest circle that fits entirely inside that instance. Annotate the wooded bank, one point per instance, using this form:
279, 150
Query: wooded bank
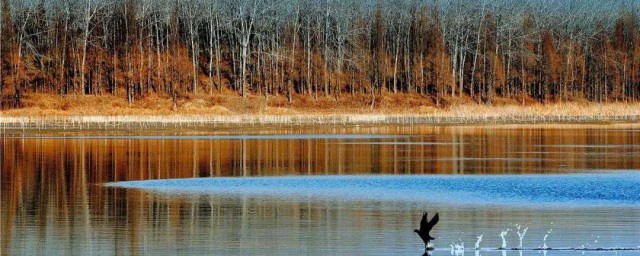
546, 50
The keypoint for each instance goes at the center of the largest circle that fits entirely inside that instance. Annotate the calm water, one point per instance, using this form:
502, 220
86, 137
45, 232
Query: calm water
330, 191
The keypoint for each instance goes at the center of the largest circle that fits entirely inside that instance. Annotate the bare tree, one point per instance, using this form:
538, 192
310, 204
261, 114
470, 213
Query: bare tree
481, 49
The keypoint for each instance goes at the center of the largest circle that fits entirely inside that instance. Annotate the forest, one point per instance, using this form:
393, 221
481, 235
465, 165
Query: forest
545, 50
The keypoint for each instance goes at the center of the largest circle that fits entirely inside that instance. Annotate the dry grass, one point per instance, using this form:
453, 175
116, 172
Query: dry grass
551, 109
230, 104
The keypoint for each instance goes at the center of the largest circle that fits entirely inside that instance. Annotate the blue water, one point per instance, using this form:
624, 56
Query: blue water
558, 190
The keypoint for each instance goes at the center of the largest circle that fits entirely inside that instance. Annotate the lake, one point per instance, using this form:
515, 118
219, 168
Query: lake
357, 190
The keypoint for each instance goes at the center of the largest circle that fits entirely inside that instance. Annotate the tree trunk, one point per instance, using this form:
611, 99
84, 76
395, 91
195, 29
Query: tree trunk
194, 52
84, 45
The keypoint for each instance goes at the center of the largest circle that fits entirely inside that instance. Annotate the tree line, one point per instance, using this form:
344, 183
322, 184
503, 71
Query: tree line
481, 49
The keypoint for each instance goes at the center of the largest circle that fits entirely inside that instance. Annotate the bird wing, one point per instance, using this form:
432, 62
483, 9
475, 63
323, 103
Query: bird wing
424, 224
433, 221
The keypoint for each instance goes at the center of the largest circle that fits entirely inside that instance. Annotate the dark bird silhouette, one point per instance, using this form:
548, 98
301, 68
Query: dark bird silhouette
425, 227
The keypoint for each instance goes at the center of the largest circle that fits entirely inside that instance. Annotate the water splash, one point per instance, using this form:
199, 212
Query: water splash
544, 240
589, 245
522, 231
503, 234
477, 246
457, 249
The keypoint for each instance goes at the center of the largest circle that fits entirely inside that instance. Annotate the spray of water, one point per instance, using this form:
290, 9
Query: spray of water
457, 249
522, 231
544, 240
477, 247
503, 235
588, 244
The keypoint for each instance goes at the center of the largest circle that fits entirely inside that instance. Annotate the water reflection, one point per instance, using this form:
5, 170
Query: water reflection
442, 150
52, 201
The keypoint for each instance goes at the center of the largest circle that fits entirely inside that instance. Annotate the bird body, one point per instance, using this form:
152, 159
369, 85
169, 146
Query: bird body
425, 228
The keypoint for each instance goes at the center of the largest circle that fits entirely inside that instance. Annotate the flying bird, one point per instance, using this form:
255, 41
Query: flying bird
425, 227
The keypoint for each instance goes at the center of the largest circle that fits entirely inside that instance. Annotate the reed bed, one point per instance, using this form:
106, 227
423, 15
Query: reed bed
107, 112
159, 122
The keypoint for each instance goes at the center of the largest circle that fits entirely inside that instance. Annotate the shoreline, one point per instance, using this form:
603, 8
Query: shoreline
54, 112
194, 121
